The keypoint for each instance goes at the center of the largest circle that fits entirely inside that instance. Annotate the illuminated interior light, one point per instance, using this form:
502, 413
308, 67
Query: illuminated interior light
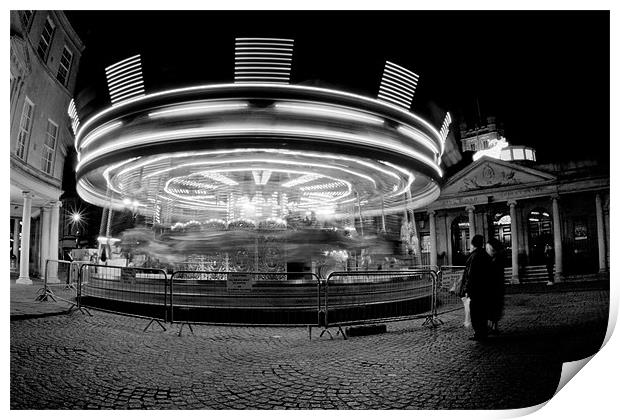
115, 78
265, 177
264, 48
220, 178
302, 88
419, 138
389, 80
258, 53
98, 133
126, 83
397, 102
119, 63
284, 68
261, 77
329, 112
388, 91
402, 69
301, 180
284, 130
266, 39
399, 80
262, 161
197, 109
127, 89
127, 97
396, 91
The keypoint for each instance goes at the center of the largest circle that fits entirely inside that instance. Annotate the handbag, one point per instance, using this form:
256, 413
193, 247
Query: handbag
467, 321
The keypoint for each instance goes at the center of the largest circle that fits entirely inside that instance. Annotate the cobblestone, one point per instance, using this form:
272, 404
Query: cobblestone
106, 361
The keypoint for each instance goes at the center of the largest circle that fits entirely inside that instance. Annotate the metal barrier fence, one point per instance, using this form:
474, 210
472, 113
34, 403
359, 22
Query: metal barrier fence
235, 298
448, 285
126, 290
59, 281
375, 296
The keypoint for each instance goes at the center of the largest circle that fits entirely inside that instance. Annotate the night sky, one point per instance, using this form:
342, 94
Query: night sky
544, 75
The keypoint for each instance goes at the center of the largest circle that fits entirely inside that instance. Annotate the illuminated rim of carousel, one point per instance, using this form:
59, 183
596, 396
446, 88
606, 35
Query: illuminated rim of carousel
196, 146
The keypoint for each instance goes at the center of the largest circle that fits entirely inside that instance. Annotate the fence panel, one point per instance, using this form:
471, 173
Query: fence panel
448, 282
363, 297
59, 281
259, 298
126, 290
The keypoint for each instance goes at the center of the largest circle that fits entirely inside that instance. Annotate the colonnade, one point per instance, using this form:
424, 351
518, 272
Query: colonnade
50, 220
557, 235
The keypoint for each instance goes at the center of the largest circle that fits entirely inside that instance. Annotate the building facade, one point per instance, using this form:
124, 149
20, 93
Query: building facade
526, 205
45, 56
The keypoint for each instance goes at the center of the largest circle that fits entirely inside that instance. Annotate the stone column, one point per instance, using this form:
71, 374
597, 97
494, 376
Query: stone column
24, 257
53, 244
557, 237
16, 239
600, 233
514, 241
45, 238
433, 237
472, 222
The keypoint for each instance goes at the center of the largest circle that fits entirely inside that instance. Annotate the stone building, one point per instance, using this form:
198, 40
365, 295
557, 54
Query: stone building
45, 56
526, 205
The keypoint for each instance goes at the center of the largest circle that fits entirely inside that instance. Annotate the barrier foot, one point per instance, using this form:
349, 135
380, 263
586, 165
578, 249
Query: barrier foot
154, 320
310, 332
45, 295
341, 331
181, 329
326, 330
432, 321
83, 311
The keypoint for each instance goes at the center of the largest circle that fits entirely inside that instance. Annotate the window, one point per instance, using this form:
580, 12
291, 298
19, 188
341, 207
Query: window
27, 18
46, 39
65, 66
47, 153
25, 124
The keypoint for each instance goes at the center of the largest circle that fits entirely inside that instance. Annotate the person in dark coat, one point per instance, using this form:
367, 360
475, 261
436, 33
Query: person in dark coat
496, 284
478, 268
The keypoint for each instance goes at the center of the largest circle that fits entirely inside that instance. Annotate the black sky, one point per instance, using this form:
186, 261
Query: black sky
545, 75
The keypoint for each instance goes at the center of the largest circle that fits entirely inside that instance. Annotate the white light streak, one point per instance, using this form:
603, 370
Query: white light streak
197, 109
301, 88
98, 133
294, 131
329, 112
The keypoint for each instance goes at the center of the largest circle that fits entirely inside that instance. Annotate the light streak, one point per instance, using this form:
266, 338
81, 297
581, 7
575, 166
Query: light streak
197, 109
301, 88
328, 112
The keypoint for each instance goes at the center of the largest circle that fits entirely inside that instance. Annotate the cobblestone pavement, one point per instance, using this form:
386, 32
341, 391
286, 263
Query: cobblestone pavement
106, 361
24, 304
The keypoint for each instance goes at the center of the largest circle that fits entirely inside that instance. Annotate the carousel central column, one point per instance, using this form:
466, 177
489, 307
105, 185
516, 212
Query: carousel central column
514, 241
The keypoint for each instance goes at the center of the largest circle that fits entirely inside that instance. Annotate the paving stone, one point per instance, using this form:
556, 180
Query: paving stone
106, 361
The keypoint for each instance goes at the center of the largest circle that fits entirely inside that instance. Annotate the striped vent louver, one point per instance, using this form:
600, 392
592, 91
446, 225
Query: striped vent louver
398, 85
445, 129
263, 60
125, 79
75, 120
